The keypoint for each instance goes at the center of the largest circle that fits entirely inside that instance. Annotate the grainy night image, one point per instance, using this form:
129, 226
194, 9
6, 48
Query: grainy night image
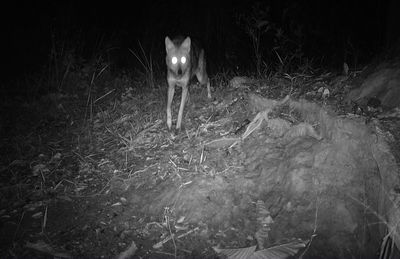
200, 129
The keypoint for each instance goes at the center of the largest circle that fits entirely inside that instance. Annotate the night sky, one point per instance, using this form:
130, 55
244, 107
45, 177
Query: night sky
328, 31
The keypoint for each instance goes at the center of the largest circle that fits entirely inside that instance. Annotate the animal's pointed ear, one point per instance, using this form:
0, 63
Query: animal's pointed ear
168, 44
186, 43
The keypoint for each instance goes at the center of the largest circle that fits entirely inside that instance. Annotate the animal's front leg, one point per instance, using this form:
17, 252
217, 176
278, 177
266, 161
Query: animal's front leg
183, 101
208, 89
171, 90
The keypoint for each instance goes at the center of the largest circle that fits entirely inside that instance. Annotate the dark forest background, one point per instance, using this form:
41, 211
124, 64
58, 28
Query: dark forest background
325, 32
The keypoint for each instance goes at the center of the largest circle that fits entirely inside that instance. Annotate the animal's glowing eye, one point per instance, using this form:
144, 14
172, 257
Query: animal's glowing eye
183, 60
174, 60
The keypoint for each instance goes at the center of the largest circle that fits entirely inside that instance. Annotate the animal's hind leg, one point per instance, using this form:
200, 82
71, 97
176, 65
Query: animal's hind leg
201, 73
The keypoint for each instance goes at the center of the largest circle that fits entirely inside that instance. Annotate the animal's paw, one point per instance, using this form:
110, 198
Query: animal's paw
180, 130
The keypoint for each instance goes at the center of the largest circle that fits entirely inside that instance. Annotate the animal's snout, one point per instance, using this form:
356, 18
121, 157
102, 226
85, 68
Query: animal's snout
180, 71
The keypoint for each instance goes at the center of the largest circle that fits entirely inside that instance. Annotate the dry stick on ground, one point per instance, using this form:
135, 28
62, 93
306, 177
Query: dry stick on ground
19, 225
44, 220
94, 194
159, 244
201, 156
104, 95
171, 235
314, 234
187, 134
141, 170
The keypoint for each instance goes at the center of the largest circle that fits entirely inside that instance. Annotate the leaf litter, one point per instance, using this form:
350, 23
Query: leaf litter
248, 177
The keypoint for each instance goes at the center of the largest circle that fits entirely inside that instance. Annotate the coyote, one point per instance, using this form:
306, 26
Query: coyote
184, 60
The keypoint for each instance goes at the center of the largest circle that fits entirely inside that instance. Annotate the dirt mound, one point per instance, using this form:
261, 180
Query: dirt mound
382, 84
379, 80
319, 177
